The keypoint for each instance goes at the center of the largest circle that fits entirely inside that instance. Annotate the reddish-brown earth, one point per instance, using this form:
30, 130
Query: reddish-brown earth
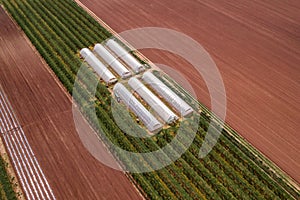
256, 46
44, 112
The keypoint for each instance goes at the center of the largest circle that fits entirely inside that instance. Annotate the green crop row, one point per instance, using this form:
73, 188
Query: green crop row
58, 30
238, 153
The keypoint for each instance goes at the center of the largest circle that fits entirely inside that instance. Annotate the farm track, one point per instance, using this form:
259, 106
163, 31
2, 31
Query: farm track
256, 47
43, 120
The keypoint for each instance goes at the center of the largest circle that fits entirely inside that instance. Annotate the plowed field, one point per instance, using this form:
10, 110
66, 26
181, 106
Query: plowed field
256, 46
44, 112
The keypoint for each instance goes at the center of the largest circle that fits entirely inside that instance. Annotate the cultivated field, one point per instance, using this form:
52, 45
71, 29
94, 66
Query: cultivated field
29, 172
44, 113
255, 45
58, 30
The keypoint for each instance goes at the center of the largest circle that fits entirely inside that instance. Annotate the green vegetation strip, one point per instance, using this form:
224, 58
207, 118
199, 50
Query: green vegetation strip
231, 135
58, 30
6, 187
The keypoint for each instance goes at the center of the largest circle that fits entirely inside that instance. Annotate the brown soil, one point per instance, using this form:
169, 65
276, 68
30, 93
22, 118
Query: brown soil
256, 47
44, 112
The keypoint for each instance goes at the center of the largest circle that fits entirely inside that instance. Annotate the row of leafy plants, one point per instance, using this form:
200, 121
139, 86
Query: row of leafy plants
231, 140
58, 30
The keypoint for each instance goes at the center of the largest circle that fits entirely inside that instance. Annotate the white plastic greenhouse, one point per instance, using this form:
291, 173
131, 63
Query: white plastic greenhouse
152, 124
118, 67
98, 66
156, 104
135, 65
181, 106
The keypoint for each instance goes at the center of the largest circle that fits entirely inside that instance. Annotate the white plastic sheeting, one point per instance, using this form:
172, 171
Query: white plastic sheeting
152, 124
156, 104
118, 67
173, 99
135, 65
98, 66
